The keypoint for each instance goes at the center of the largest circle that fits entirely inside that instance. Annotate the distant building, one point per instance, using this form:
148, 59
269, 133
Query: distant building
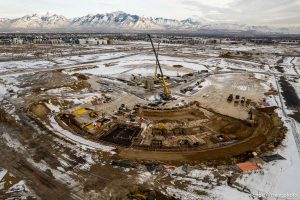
55, 41
109, 41
230, 41
211, 41
95, 41
262, 41
37, 40
82, 41
5, 42
17, 41
165, 40
92, 41
290, 42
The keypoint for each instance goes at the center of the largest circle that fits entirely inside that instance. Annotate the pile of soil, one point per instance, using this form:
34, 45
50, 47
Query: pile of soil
40, 110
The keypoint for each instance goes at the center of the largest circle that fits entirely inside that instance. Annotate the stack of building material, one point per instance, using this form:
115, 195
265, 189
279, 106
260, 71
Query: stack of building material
247, 166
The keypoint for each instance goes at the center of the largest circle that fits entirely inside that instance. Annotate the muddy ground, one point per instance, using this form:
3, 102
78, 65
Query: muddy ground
44, 184
290, 96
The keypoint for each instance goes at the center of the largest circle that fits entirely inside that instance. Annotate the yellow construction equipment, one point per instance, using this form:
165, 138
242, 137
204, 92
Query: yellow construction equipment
89, 127
167, 91
93, 114
80, 111
162, 126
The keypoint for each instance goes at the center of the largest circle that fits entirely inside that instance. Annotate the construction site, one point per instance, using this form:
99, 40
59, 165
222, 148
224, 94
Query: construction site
162, 113
151, 112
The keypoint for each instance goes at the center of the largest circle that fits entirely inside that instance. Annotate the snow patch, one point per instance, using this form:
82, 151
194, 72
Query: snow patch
85, 143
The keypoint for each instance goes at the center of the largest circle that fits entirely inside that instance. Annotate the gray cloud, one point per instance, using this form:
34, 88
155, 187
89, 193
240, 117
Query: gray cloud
256, 12
251, 12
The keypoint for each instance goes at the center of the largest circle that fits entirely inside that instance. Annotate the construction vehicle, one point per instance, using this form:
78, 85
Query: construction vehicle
243, 100
251, 119
93, 114
230, 98
248, 101
162, 126
237, 99
167, 93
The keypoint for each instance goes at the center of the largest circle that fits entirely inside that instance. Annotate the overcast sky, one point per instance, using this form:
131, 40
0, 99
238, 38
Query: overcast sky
252, 12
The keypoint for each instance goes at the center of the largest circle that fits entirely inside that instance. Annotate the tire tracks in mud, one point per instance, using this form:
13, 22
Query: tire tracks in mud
45, 186
18, 161
294, 66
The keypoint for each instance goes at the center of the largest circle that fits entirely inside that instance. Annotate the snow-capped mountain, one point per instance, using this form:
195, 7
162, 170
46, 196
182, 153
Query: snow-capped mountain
4, 23
121, 21
37, 21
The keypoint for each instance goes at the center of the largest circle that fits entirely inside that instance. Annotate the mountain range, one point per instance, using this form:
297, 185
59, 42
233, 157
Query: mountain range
124, 22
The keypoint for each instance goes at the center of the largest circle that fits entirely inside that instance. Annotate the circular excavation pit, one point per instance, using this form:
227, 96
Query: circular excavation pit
184, 133
196, 134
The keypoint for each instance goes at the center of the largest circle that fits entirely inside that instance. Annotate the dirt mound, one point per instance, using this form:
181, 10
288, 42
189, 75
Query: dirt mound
172, 114
40, 110
81, 76
80, 85
218, 123
232, 127
49, 79
237, 128
52, 80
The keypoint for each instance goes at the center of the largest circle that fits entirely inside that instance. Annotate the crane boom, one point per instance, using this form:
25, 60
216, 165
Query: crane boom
167, 91
155, 67
156, 56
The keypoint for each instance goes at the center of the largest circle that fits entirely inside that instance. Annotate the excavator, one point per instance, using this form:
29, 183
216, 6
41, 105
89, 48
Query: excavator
167, 92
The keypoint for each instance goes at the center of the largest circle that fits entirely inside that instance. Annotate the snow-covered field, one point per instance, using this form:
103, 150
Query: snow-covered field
130, 65
87, 58
81, 141
24, 65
